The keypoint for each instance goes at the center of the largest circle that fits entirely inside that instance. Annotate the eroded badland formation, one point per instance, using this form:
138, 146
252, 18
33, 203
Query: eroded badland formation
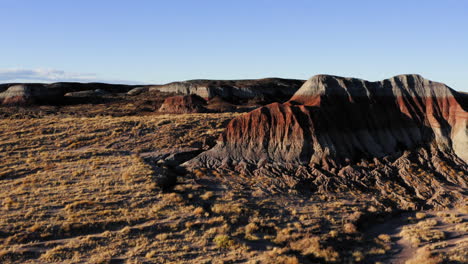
330, 170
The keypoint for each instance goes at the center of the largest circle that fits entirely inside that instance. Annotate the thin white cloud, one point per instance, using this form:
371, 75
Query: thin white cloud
51, 75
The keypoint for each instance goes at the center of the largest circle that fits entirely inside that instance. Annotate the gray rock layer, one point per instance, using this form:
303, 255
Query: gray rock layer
272, 88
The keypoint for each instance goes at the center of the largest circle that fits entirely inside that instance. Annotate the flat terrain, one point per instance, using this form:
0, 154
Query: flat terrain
78, 189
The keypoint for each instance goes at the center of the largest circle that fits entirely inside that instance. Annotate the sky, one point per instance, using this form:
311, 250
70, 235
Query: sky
162, 41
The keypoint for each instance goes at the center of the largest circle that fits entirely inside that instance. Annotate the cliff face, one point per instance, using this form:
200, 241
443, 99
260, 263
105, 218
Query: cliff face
273, 89
331, 124
380, 118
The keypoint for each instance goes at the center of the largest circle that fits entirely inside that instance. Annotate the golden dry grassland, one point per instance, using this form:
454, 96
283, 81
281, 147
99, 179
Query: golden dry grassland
77, 190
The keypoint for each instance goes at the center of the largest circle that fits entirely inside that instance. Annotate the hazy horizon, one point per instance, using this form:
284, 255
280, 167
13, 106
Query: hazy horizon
156, 42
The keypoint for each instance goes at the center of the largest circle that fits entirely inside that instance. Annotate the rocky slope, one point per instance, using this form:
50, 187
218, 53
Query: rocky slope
270, 89
404, 138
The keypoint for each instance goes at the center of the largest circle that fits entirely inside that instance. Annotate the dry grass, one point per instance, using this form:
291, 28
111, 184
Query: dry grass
463, 227
424, 255
275, 256
452, 219
422, 232
312, 246
77, 190
70, 177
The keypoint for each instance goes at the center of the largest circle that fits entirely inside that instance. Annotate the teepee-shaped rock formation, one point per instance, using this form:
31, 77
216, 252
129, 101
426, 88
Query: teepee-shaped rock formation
329, 132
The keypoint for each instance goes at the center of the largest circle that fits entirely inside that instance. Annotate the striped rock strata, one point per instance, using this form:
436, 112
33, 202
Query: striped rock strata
337, 134
183, 104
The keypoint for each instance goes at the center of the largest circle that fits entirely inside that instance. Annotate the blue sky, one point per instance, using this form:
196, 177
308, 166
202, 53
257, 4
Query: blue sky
161, 41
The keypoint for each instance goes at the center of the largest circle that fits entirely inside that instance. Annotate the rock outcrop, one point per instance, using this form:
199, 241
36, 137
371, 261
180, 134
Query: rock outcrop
183, 104
240, 92
28, 94
137, 90
87, 93
270, 89
343, 133
37, 93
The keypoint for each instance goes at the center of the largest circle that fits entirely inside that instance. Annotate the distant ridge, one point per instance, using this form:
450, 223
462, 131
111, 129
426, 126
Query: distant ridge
263, 91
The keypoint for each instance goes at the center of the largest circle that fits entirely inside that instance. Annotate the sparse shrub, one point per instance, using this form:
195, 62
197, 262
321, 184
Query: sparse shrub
251, 228
189, 224
7, 203
198, 211
420, 215
227, 208
442, 214
385, 238
217, 174
207, 195
173, 198
162, 236
355, 216
428, 223
452, 219
3, 253
419, 233
297, 225
463, 227
349, 228
151, 254
459, 254
283, 235
438, 245
199, 173
358, 256
424, 255
463, 209
376, 251
333, 233
276, 256
312, 246
223, 241
79, 205
35, 227
125, 231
